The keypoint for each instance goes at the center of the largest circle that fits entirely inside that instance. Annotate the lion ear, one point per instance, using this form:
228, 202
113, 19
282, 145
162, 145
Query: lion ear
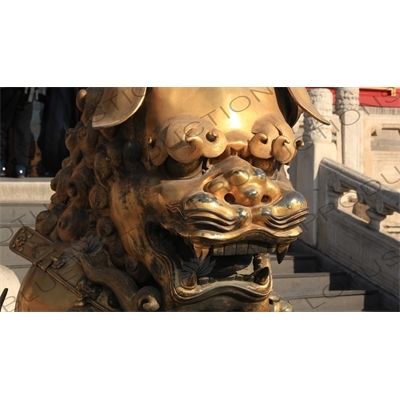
303, 100
117, 105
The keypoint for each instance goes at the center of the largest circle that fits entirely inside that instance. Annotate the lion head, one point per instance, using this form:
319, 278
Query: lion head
184, 192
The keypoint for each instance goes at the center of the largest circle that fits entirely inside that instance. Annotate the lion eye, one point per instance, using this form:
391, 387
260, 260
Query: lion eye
176, 169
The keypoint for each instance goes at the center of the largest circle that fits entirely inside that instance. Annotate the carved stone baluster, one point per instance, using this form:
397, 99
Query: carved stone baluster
352, 121
314, 131
336, 189
317, 145
375, 219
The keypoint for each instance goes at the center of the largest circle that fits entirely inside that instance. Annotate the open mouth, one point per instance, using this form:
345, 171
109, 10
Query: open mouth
201, 269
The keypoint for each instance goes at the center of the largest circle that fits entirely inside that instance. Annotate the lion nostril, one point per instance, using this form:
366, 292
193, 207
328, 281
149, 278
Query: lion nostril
230, 198
266, 199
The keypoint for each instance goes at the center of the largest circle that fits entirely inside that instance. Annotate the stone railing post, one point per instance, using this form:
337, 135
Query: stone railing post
352, 124
317, 145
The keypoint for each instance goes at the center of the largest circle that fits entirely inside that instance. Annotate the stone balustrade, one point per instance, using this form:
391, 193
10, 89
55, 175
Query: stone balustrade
363, 246
381, 200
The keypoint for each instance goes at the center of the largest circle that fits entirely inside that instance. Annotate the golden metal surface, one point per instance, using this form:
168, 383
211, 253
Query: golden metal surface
171, 199
117, 105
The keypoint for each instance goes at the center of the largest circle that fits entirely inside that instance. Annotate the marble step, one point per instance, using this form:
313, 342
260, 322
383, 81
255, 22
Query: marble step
21, 200
20, 213
25, 190
294, 264
10, 259
303, 284
336, 301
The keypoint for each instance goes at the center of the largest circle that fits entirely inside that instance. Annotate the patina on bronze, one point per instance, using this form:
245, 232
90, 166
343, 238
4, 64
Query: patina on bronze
172, 199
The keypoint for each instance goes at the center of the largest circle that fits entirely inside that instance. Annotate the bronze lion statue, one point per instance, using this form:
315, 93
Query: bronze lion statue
172, 199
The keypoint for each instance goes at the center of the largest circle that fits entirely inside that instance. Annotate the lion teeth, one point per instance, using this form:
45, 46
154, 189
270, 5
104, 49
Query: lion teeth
203, 280
261, 261
281, 251
241, 248
188, 281
201, 252
257, 262
261, 276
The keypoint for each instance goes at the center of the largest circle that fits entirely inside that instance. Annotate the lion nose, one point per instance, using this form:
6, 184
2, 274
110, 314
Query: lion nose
244, 186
